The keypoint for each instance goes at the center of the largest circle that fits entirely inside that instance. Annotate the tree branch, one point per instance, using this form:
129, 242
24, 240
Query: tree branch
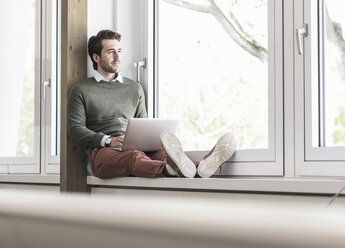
252, 47
334, 34
191, 6
249, 44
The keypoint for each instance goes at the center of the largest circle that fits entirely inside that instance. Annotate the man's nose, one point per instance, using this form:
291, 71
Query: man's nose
116, 55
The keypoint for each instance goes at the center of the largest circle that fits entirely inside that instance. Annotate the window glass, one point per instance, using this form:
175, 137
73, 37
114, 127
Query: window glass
212, 70
334, 74
17, 86
329, 90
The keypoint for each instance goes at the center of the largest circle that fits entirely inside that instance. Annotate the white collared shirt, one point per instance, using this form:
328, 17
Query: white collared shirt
98, 77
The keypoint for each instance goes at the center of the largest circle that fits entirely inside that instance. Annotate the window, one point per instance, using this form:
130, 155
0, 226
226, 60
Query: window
51, 103
321, 131
329, 90
215, 65
219, 69
19, 88
25, 88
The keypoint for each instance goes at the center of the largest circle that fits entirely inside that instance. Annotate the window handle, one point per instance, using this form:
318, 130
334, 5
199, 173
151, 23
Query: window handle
138, 65
299, 32
45, 85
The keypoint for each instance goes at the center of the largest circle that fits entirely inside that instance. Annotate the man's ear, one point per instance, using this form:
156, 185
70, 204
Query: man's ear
95, 57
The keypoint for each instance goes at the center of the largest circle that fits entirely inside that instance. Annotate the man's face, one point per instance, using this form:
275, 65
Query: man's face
111, 56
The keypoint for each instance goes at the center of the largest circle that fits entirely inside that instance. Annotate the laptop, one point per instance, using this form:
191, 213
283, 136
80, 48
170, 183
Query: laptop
144, 134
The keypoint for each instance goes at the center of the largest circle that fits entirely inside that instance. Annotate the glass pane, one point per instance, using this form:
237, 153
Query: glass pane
17, 87
333, 81
212, 69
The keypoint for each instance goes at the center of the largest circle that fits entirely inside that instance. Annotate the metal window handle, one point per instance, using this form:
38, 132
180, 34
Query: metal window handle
138, 65
299, 32
45, 85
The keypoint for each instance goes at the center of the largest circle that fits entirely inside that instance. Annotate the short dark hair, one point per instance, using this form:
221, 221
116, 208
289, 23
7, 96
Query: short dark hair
95, 43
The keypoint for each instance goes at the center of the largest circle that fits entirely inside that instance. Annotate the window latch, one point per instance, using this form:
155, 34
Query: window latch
45, 85
138, 65
302, 31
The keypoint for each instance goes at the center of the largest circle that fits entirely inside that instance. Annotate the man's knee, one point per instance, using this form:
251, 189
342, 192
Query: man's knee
135, 154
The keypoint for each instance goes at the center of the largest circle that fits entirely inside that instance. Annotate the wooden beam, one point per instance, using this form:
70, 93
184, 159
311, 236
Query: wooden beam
73, 70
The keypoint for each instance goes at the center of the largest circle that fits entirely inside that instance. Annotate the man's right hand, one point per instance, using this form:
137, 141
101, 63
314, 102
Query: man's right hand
117, 141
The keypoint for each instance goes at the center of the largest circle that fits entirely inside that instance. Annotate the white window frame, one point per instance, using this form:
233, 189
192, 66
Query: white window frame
258, 162
50, 164
42, 163
290, 152
310, 161
30, 164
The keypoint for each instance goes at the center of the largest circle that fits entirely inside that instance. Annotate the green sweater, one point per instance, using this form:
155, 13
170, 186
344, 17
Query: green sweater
96, 109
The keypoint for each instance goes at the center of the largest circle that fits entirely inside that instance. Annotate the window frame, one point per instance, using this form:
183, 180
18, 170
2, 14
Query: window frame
30, 164
315, 71
292, 156
41, 163
51, 163
311, 161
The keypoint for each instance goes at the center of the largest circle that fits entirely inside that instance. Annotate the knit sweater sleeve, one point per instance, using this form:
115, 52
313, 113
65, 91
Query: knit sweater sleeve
76, 121
141, 108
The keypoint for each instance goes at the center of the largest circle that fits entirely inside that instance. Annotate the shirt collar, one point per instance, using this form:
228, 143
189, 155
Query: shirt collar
98, 76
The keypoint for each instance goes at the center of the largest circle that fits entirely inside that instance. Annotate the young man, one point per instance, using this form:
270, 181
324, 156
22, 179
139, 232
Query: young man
98, 111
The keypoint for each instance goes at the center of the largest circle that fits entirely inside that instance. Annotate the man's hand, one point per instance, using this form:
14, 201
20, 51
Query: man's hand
117, 141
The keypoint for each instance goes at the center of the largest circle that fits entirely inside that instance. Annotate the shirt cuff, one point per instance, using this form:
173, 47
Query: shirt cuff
103, 140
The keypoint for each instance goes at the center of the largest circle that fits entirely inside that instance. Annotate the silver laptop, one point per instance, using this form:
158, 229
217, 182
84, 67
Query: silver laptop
144, 134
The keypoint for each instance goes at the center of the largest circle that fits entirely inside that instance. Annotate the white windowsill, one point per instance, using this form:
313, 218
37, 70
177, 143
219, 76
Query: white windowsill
30, 178
244, 184
277, 185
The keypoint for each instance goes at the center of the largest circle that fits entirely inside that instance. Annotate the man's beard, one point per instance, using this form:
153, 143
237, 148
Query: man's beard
105, 67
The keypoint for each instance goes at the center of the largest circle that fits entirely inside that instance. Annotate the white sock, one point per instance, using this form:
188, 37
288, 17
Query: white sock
170, 170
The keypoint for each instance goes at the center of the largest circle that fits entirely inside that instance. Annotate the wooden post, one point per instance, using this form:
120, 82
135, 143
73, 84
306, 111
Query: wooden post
73, 69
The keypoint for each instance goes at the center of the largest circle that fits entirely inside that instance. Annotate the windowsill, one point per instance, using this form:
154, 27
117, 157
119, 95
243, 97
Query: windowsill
244, 184
30, 178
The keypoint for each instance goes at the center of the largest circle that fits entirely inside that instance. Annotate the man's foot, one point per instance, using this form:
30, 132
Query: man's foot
176, 157
221, 152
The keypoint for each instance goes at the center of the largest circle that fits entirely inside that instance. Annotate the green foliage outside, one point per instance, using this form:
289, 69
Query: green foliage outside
26, 136
339, 133
25, 144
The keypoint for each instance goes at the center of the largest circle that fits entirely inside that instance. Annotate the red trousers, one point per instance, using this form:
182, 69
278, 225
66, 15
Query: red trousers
108, 163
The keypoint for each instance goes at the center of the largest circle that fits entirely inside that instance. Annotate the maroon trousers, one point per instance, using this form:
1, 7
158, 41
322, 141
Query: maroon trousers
108, 163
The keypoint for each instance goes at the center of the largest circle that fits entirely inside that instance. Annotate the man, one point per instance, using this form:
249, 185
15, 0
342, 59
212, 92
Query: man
98, 111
